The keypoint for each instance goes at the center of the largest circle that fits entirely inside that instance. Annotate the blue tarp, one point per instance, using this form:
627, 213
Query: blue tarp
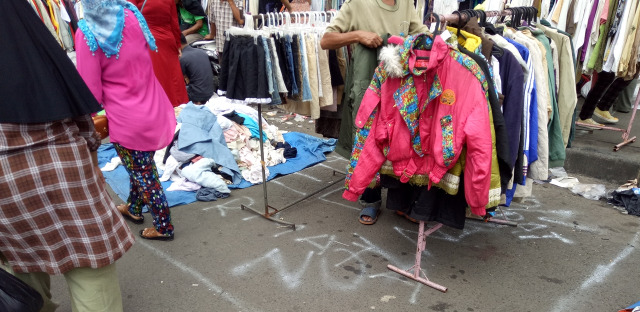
311, 150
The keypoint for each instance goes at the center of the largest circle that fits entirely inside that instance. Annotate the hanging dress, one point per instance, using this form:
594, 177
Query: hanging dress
162, 18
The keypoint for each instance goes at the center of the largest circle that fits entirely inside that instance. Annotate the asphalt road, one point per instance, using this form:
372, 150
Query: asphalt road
567, 253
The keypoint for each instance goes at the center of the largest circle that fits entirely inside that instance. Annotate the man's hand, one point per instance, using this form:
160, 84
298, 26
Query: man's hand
369, 39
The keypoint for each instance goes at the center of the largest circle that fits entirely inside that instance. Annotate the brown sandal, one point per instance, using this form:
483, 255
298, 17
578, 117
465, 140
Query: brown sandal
124, 210
406, 216
152, 234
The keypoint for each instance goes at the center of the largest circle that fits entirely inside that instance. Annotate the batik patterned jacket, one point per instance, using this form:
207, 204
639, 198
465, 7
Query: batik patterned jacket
419, 114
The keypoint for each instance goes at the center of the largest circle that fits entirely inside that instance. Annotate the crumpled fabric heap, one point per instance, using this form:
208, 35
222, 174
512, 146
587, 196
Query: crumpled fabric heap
210, 194
201, 173
627, 199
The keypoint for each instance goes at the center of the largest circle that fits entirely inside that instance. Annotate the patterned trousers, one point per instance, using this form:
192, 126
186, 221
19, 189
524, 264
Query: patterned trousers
145, 187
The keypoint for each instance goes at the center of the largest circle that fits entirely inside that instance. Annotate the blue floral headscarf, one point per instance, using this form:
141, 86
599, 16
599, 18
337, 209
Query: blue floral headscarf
103, 23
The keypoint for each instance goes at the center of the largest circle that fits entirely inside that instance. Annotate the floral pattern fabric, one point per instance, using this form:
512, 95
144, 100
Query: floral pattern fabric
145, 187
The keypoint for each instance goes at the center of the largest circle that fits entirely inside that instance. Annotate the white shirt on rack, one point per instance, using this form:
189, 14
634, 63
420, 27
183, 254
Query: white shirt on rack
581, 15
611, 65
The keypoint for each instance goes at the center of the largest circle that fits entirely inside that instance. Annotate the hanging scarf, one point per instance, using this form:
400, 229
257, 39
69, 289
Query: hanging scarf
103, 23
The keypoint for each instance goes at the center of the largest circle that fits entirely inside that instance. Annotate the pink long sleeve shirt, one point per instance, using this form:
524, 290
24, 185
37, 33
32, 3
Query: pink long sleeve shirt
140, 115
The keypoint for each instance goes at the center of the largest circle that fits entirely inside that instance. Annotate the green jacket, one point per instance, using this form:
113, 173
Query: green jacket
557, 153
357, 79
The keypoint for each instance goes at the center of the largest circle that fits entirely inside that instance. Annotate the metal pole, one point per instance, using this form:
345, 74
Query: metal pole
264, 176
266, 214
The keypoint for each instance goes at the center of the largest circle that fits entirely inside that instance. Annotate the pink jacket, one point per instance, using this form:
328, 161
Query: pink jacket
419, 113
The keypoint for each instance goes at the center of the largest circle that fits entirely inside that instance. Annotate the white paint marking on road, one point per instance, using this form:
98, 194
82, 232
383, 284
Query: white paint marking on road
287, 187
601, 272
323, 197
333, 158
552, 235
411, 283
313, 241
299, 228
572, 225
307, 176
250, 217
570, 301
414, 295
231, 205
198, 276
274, 257
329, 167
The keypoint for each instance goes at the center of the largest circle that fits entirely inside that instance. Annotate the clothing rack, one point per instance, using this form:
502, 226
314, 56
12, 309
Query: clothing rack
626, 139
270, 212
414, 272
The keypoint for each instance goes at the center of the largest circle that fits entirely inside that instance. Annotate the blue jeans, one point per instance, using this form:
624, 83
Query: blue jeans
306, 87
271, 79
294, 86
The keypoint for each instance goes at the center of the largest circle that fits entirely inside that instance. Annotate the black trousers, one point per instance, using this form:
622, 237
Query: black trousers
603, 94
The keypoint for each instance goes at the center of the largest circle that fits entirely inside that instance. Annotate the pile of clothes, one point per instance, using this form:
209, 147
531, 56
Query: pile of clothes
217, 145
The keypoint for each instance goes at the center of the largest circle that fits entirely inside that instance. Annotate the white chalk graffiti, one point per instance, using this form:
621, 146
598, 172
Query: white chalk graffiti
232, 204
325, 248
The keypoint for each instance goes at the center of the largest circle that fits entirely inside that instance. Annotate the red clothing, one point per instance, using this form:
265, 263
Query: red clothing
420, 120
162, 18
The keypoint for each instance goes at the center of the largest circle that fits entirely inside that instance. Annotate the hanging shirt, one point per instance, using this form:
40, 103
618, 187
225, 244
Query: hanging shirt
140, 115
418, 115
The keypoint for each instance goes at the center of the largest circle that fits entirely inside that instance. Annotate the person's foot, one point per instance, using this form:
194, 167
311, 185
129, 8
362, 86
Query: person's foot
369, 214
590, 123
124, 210
406, 216
604, 116
153, 234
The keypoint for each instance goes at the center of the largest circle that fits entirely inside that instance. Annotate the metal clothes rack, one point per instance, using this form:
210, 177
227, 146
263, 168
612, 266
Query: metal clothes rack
270, 212
414, 272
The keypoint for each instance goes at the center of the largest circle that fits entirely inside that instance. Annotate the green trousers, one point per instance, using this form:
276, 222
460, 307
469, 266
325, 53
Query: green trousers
90, 289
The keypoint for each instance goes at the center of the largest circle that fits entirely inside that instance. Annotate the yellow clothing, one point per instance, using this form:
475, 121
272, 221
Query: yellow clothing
471, 43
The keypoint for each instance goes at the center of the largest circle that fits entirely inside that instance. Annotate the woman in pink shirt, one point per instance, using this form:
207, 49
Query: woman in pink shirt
116, 66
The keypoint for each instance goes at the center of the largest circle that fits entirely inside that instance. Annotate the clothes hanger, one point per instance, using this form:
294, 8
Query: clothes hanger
460, 23
437, 29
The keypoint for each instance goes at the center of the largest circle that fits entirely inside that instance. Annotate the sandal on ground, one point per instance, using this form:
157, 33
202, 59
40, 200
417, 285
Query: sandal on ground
124, 210
371, 212
406, 216
152, 234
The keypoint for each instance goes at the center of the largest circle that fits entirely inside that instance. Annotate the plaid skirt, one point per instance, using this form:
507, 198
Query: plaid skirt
55, 214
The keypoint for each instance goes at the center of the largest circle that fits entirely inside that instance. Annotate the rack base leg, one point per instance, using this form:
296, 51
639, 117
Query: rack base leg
270, 216
625, 142
422, 241
418, 279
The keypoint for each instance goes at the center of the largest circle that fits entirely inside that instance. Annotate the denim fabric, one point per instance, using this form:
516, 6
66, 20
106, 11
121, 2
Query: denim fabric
275, 71
283, 61
267, 58
290, 67
306, 88
201, 134
277, 68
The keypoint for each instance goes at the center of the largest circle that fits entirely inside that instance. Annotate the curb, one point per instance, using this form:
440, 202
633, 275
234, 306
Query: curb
606, 166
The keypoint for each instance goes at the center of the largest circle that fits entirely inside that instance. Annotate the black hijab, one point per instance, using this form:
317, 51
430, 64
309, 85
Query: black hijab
38, 82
